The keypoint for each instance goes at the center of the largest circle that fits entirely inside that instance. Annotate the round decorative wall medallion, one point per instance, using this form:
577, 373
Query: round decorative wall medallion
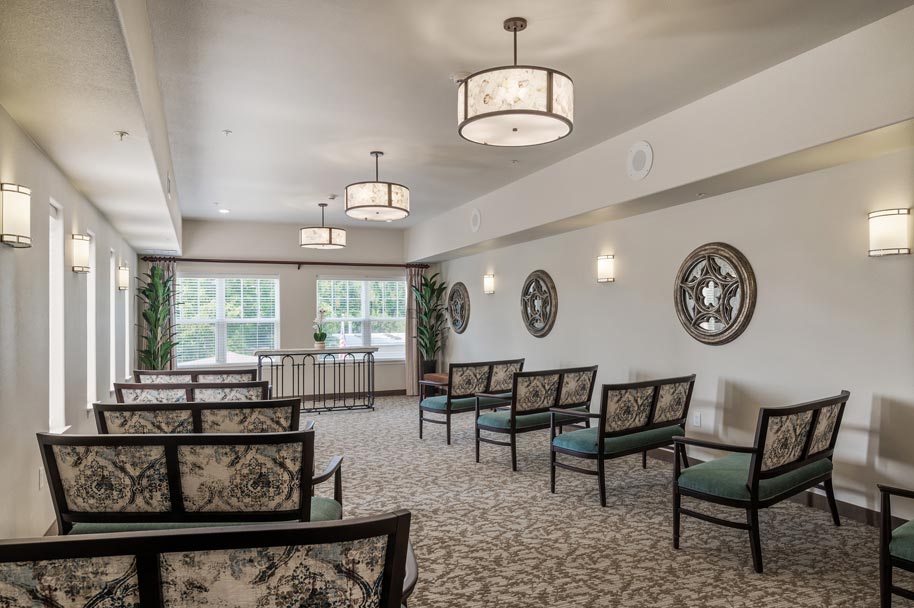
539, 303
475, 220
715, 293
458, 307
640, 160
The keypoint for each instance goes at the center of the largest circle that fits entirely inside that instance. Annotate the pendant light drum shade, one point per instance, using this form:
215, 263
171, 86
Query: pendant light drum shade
322, 237
377, 201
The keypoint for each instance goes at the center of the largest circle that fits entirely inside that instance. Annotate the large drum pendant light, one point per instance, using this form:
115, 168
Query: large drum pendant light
513, 106
377, 201
322, 237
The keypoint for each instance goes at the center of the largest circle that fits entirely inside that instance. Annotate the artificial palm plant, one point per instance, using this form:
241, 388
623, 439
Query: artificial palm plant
431, 317
155, 292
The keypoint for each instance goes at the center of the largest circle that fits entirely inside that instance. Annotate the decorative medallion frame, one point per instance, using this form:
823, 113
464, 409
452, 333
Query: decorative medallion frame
458, 307
539, 303
715, 293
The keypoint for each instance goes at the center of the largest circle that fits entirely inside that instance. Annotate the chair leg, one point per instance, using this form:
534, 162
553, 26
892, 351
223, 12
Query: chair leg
552, 471
755, 540
685, 457
448, 420
832, 503
601, 476
477, 444
885, 580
677, 505
420, 424
513, 452
644, 459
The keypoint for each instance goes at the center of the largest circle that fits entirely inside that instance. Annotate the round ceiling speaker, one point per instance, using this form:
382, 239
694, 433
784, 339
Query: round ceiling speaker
640, 160
475, 220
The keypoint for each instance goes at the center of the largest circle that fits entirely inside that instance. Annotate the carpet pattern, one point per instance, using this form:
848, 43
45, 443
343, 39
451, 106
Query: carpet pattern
485, 536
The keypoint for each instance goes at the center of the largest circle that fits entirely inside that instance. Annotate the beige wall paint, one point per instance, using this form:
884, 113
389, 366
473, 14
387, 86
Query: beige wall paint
26, 510
828, 317
298, 300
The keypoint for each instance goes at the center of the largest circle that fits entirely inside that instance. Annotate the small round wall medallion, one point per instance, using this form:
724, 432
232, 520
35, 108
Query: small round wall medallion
458, 307
640, 160
715, 293
539, 303
475, 220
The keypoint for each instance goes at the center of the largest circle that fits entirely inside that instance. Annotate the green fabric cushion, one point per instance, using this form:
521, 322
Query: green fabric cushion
727, 477
325, 509
502, 420
902, 544
439, 402
586, 440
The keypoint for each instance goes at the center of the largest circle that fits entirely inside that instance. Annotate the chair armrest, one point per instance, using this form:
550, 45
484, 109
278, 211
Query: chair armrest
308, 425
432, 383
411, 575
699, 443
335, 470
892, 491
558, 410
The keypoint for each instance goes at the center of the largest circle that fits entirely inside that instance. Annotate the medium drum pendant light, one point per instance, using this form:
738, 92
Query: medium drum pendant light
322, 237
377, 201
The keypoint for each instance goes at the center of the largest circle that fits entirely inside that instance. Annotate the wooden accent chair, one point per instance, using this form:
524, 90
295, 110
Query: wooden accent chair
896, 547
348, 564
191, 391
792, 452
179, 376
465, 380
269, 416
117, 483
530, 405
634, 417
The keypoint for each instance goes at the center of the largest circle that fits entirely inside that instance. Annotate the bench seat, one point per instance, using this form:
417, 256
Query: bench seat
502, 420
585, 441
464, 404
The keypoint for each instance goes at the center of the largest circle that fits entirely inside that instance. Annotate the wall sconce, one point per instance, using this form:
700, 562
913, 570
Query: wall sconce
606, 269
889, 232
123, 278
15, 215
488, 283
81, 253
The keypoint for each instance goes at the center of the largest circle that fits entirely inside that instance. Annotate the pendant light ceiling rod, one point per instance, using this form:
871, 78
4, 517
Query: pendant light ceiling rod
376, 155
514, 25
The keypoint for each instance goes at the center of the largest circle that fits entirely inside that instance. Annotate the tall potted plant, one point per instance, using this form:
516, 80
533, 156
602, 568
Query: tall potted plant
431, 320
155, 292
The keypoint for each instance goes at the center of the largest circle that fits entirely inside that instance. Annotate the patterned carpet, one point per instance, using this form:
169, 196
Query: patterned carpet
487, 537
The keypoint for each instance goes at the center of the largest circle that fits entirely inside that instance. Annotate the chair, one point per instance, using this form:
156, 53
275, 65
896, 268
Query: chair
116, 483
465, 380
270, 416
792, 452
528, 406
633, 418
348, 564
896, 547
177, 376
191, 391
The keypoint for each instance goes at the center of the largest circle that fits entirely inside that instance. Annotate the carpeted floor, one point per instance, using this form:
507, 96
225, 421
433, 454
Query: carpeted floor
487, 537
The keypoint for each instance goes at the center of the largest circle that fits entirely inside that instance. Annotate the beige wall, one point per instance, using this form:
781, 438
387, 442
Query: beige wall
298, 301
828, 317
26, 510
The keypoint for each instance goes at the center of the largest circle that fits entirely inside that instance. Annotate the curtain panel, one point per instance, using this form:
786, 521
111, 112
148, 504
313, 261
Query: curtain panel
413, 361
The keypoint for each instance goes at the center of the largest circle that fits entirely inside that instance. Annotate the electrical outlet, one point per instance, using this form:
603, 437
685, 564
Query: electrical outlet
40, 478
696, 419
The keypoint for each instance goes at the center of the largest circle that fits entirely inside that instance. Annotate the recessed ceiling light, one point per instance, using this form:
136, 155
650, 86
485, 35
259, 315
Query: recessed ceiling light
224, 211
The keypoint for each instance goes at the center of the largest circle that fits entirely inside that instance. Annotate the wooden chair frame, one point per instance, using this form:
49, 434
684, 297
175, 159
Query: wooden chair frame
600, 456
887, 563
195, 408
756, 474
424, 385
194, 374
189, 388
512, 430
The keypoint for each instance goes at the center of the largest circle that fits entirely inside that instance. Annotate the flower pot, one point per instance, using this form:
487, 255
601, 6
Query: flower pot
320, 345
429, 367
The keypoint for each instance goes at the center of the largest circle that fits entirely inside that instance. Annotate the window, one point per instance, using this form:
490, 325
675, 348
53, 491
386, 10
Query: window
56, 404
369, 312
225, 319
112, 319
91, 326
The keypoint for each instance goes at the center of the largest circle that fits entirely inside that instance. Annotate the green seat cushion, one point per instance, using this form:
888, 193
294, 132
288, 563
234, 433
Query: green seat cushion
502, 420
727, 478
902, 544
586, 440
464, 404
325, 509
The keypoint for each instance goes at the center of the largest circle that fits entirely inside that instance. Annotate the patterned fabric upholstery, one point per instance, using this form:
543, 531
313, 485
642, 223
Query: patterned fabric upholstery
785, 439
576, 388
154, 395
165, 378
469, 380
244, 377
241, 477
114, 479
339, 575
628, 409
227, 393
141, 422
503, 376
247, 420
102, 582
671, 402
536, 392
825, 428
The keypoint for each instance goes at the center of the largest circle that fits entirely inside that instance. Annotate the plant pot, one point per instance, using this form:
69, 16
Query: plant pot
320, 345
429, 367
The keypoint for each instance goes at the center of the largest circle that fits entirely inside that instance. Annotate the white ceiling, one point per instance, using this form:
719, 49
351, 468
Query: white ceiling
310, 87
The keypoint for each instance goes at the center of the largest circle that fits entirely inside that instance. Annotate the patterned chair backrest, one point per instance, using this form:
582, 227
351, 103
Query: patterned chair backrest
640, 406
179, 477
538, 391
348, 564
271, 416
184, 377
787, 438
467, 379
191, 391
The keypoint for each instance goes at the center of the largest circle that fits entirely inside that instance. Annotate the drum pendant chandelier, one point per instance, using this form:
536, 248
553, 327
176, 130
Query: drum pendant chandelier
514, 106
322, 237
377, 201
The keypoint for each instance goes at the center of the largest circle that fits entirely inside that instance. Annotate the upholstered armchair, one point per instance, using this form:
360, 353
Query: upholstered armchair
633, 418
267, 416
792, 452
527, 407
896, 547
465, 381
